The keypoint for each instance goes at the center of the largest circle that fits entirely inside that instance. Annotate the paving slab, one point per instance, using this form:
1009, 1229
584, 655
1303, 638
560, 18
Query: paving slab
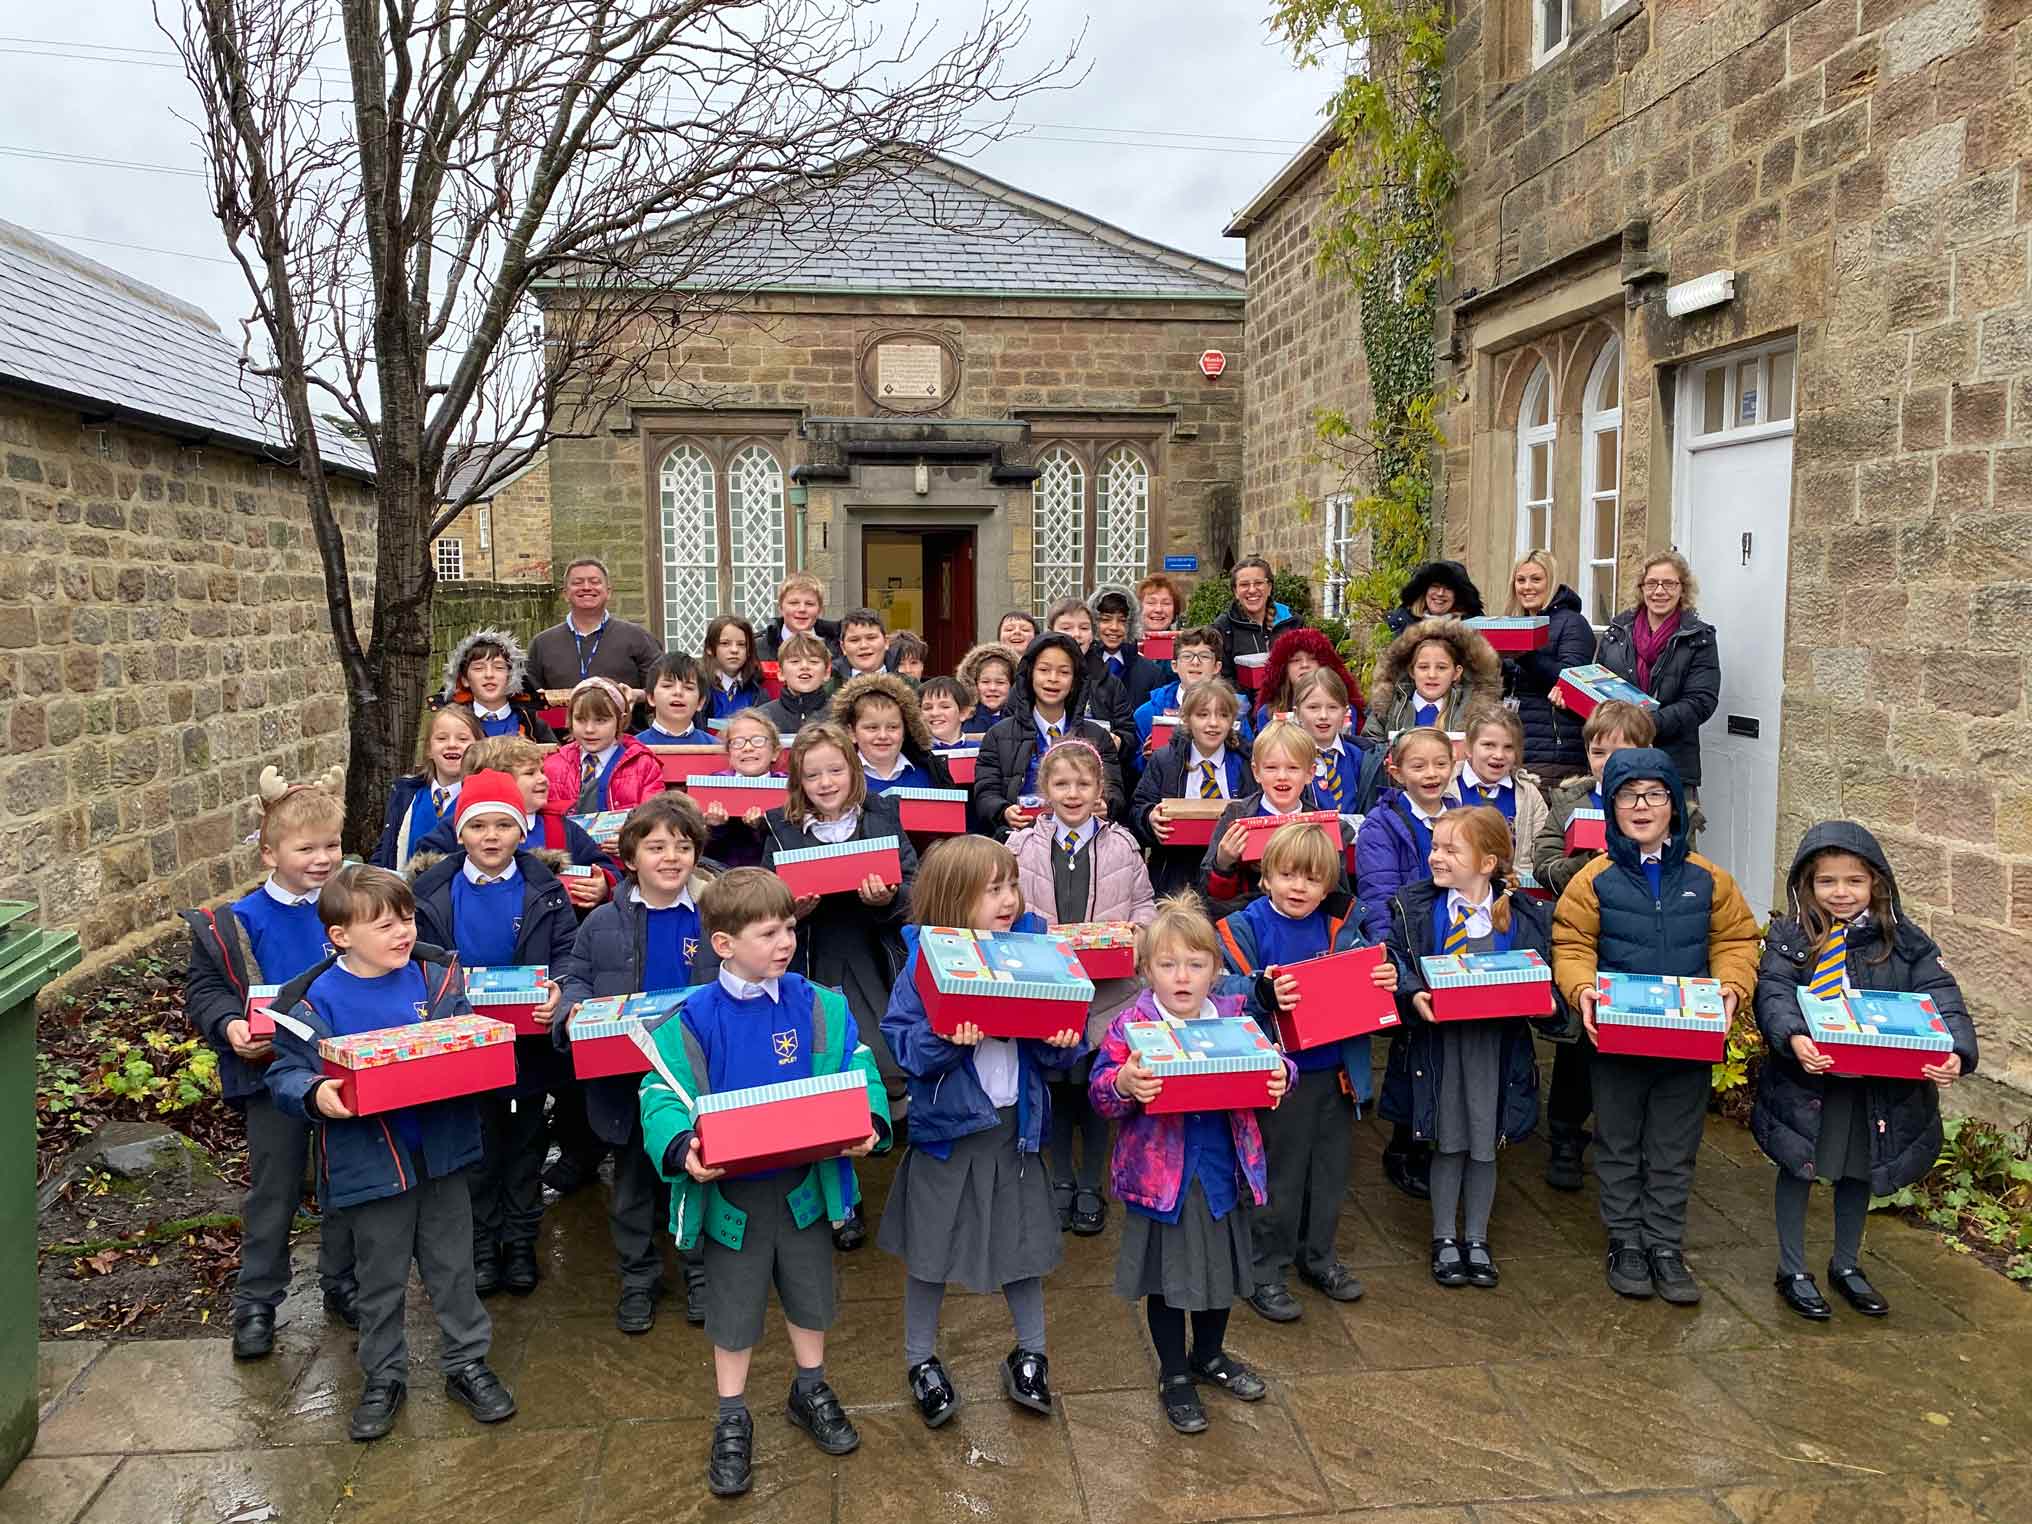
57, 1364
170, 1395
53, 1489
532, 1476
1906, 1499
654, 1473
301, 1483
1249, 1464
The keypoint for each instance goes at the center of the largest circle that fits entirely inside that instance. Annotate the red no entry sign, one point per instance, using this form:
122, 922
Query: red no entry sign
1212, 363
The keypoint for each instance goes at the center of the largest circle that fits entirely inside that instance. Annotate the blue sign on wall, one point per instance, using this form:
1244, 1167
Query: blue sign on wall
1181, 563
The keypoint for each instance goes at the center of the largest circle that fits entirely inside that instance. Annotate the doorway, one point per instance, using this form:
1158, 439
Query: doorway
1733, 520
923, 581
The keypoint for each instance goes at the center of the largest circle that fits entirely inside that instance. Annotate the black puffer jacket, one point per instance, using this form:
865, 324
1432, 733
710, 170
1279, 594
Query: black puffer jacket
769, 639
1905, 1132
1243, 636
1551, 736
1686, 681
1467, 598
1010, 744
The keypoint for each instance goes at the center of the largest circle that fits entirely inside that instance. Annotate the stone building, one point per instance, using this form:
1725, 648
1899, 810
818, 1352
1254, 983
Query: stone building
1837, 432
954, 398
163, 626
502, 535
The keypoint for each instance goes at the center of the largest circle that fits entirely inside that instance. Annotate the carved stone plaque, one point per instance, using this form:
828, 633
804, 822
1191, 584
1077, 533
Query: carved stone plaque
909, 374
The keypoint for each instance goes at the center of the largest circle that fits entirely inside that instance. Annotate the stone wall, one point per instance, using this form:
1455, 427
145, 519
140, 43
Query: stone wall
459, 608
517, 547
163, 637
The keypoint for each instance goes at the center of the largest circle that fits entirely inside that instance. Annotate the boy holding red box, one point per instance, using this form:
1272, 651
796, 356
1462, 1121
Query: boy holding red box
397, 1179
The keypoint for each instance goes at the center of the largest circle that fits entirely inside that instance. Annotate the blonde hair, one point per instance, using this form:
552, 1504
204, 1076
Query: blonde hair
1689, 589
1546, 561
1180, 921
954, 875
316, 805
1282, 739
1326, 680
460, 715
1485, 833
803, 645
1304, 850
1505, 720
800, 582
753, 716
1072, 751
1208, 693
797, 808
1407, 738
501, 754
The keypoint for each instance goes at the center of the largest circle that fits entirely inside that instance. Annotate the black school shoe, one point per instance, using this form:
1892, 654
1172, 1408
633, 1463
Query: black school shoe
1410, 1170
1274, 1302
375, 1415
486, 1273
479, 1391
1026, 1379
635, 1313
1565, 1165
518, 1270
1182, 1407
253, 1333
1803, 1297
819, 1414
850, 1232
1673, 1281
1481, 1265
1089, 1212
730, 1463
1062, 1192
932, 1390
1857, 1292
695, 1295
1448, 1268
1629, 1270
1238, 1379
345, 1306
1337, 1283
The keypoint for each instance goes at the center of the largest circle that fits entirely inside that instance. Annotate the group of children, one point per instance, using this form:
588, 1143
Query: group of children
1074, 815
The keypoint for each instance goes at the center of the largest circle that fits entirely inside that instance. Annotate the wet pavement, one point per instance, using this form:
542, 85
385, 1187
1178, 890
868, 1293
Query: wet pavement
1546, 1401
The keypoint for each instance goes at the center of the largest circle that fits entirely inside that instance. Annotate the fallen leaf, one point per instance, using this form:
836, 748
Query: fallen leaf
1938, 1420
76, 1328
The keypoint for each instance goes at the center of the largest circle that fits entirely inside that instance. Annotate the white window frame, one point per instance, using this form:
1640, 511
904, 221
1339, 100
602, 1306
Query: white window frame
1595, 422
1543, 52
703, 540
1736, 428
484, 518
1529, 437
1337, 549
1110, 508
451, 560
1048, 577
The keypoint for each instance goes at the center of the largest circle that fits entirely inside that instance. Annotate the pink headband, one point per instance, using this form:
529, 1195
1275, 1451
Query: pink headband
604, 685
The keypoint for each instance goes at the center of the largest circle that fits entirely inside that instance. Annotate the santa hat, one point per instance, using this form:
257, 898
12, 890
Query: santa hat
491, 793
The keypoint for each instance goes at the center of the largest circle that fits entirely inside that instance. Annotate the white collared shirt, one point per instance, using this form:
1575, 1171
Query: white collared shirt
1480, 922
491, 714
896, 768
1297, 808
744, 989
683, 901
475, 877
728, 681
1084, 831
1656, 854
1064, 723
995, 1067
833, 832
1419, 810
1199, 760
602, 758
571, 622
282, 896
1470, 779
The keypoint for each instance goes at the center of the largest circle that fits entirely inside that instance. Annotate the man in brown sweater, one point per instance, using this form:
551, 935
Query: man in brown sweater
591, 642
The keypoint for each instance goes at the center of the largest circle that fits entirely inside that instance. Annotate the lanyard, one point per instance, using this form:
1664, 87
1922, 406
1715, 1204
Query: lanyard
586, 658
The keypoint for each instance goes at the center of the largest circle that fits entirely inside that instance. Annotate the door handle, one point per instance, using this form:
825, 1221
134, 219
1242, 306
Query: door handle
1746, 547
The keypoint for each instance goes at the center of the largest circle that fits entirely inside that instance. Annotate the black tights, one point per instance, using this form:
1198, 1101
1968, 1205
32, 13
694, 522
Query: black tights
1167, 1332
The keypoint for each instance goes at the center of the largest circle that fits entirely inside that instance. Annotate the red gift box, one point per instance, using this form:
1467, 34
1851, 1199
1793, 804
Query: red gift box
932, 811
1158, 645
1262, 827
260, 1018
1238, 1078
1488, 986
1193, 820
1105, 949
680, 763
1162, 729
1584, 687
1587, 831
745, 1132
1513, 634
601, 1032
960, 761
1009, 984
497, 994
842, 868
439, 1076
1249, 670
735, 796
1337, 999
772, 680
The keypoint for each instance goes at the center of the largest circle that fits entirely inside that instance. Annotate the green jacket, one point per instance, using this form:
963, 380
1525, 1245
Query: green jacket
828, 1189
1551, 862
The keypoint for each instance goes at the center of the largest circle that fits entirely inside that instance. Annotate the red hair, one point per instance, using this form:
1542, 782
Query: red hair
1321, 650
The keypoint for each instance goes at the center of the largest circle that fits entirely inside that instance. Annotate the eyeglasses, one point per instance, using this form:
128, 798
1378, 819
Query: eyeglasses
1650, 799
1660, 585
749, 743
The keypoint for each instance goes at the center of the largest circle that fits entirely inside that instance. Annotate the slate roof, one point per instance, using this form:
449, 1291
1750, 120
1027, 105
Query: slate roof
73, 329
932, 225
467, 466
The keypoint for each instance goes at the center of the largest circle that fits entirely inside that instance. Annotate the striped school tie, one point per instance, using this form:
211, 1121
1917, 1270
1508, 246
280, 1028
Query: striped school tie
1831, 965
1071, 844
437, 800
1332, 776
1053, 734
1209, 785
1488, 792
1457, 934
589, 772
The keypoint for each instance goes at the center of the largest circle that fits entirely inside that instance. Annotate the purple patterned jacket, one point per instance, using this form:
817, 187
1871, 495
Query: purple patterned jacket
1149, 1164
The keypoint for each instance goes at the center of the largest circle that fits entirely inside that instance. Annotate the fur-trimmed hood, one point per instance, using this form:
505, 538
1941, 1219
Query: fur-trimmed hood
1467, 597
1135, 634
518, 664
917, 739
1076, 700
1315, 644
970, 664
1482, 666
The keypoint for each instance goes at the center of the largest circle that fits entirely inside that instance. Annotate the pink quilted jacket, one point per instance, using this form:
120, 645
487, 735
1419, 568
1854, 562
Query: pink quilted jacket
637, 775
1119, 891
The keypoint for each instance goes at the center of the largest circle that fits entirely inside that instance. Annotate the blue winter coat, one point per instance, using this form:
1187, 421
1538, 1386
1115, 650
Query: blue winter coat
1345, 916
1388, 855
392, 850
1551, 736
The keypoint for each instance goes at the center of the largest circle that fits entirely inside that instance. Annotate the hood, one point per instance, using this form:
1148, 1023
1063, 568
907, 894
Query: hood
1135, 612
1482, 666
1566, 600
1467, 597
1278, 613
1838, 836
970, 663
1635, 763
917, 740
1075, 701
518, 662
1316, 645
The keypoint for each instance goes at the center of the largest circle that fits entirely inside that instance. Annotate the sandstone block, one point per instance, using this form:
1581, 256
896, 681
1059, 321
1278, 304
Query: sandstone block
1931, 33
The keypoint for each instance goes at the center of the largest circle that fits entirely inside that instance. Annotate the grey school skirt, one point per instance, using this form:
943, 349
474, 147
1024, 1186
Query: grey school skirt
1195, 1264
980, 1218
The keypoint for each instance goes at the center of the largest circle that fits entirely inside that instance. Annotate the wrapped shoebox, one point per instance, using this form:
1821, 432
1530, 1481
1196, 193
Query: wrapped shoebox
1513, 634
735, 794
604, 826
1193, 820
772, 679
1481, 986
510, 993
1879, 1034
601, 1032
1262, 827
765, 1127
1162, 729
1105, 949
426, 1061
1587, 831
1158, 645
576, 870
931, 811
1007, 983
1527, 881
1249, 670
960, 761
683, 762
1337, 999
1660, 1016
841, 867
1223, 1063
260, 1016
1585, 687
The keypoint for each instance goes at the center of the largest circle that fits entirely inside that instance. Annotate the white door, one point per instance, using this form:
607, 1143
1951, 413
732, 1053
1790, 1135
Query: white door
1732, 520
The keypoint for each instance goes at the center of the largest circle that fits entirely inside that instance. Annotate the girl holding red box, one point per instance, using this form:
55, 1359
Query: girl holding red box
752, 744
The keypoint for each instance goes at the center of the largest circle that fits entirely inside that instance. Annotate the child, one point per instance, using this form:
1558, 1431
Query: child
804, 667
800, 600
1047, 707
498, 905
1394, 850
1117, 628
269, 936
1348, 774
1105, 699
523, 761
1867, 1137
1466, 1088
675, 685
906, 656
893, 742
1197, 658
1085, 868
646, 938
1432, 674
849, 942
1649, 905
397, 1179
599, 768
1294, 656
488, 673
946, 704
734, 682
864, 642
424, 799
1308, 1137
1488, 775
962, 1208
757, 1024
1016, 630
753, 745
1282, 761
990, 671
1187, 1179
1200, 763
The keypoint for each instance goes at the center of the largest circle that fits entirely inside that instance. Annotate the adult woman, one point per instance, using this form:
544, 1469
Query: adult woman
1665, 647
1251, 623
1159, 602
1437, 587
1552, 746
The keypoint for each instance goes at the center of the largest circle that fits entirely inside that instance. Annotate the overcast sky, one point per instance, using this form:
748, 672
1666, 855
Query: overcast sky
1186, 109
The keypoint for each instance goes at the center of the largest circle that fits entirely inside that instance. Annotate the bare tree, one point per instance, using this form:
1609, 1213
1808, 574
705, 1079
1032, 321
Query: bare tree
403, 182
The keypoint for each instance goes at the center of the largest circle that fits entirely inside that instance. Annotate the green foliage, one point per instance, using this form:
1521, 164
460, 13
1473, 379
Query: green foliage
1744, 1052
60, 1093
1980, 1189
160, 1070
1210, 597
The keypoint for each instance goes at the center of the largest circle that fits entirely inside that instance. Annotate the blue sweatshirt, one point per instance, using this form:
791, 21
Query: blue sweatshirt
352, 1004
755, 1042
671, 948
912, 776
486, 920
656, 735
1281, 940
287, 939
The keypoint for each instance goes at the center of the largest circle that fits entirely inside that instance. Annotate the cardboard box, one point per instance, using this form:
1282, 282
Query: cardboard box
772, 680
1009, 984
682, 762
1513, 634
1221, 1064
1484, 986
1249, 670
765, 1127
600, 1032
1105, 949
840, 868
419, 1063
735, 794
1158, 645
931, 811
1528, 882
260, 1018
1585, 687
1162, 729
1337, 999
1262, 827
604, 826
1880, 1034
1588, 831
1661, 1016
576, 870
960, 761
510, 993
1193, 820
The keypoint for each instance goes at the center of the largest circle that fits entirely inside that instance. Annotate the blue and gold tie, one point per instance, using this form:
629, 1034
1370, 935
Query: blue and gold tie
437, 800
1488, 791
1457, 934
1332, 776
1071, 844
589, 772
1209, 785
1053, 734
1831, 965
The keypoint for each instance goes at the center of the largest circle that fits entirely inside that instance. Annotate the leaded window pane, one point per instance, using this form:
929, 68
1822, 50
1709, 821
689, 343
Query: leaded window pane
1059, 529
691, 547
755, 532
1122, 533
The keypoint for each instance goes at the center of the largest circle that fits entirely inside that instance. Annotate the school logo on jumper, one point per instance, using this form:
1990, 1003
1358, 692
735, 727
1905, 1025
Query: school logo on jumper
516, 926
691, 950
785, 1044
422, 1009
